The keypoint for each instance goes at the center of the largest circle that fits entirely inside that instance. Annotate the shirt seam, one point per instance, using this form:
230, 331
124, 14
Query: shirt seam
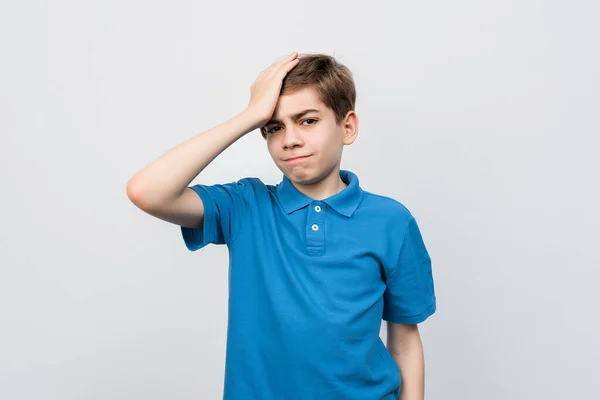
240, 232
246, 213
401, 246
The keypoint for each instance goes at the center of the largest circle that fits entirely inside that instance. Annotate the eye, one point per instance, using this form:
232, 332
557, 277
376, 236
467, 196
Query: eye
271, 129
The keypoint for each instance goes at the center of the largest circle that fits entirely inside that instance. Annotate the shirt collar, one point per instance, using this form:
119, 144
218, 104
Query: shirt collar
344, 202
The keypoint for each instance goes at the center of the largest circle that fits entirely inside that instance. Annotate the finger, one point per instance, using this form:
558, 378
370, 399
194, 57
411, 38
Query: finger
286, 68
287, 59
284, 65
283, 61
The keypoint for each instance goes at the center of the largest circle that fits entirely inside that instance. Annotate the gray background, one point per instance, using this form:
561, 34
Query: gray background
480, 117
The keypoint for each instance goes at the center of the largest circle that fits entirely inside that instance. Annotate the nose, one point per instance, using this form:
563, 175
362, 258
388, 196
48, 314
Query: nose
291, 138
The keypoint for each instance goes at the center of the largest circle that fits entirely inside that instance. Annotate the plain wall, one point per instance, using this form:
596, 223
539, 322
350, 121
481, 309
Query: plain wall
480, 117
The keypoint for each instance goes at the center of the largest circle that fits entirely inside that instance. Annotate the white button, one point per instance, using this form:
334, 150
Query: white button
318, 208
315, 227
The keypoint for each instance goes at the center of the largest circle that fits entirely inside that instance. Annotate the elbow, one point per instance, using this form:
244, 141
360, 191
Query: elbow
136, 195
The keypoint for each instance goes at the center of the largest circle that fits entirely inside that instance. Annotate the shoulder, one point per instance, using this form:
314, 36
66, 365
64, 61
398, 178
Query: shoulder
254, 188
387, 207
249, 183
246, 189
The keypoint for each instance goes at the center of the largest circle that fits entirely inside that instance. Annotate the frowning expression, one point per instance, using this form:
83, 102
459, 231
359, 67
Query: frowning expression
303, 138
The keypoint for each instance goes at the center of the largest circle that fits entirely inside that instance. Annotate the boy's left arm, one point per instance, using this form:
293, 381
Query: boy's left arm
405, 346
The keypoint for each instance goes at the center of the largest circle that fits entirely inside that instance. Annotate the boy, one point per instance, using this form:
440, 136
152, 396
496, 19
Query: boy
315, 262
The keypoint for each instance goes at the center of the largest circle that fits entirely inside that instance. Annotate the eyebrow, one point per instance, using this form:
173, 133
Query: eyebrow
294, 117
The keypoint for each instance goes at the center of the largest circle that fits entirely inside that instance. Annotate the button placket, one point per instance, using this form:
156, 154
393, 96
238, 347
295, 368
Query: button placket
315, 238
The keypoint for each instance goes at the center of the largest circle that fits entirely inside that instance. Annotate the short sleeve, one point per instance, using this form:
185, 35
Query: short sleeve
409, 297
225, 214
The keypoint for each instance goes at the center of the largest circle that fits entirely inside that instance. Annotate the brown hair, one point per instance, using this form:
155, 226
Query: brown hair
332, 81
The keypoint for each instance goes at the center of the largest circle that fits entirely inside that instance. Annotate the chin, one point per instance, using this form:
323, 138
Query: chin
304, 177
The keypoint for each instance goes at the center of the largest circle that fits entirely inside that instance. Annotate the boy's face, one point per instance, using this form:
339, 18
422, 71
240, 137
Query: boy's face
292, 132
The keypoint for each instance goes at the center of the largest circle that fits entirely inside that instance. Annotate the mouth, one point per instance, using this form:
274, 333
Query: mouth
297, 158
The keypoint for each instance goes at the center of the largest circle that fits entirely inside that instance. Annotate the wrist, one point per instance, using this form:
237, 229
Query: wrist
255, 118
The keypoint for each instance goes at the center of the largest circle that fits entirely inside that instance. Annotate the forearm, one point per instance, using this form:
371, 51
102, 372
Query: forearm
167, 177
408, 354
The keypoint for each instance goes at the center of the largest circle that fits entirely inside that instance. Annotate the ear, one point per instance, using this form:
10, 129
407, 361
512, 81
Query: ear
350, 124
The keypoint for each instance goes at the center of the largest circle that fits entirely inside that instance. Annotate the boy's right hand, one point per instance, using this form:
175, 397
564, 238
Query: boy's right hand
264, 92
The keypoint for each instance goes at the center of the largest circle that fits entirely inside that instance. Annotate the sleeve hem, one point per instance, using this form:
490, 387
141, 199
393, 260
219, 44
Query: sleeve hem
191, 235
414, 319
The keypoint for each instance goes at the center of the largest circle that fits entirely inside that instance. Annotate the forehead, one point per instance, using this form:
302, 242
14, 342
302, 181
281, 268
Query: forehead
301, 99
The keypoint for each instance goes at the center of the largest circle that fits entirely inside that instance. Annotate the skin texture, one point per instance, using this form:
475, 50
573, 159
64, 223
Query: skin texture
314, 134
405, 346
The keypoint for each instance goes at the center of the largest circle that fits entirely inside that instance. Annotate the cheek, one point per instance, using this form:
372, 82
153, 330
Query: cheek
330, 139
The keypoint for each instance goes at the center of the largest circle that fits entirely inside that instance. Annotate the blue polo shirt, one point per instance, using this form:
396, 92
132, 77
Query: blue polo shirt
309, 283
